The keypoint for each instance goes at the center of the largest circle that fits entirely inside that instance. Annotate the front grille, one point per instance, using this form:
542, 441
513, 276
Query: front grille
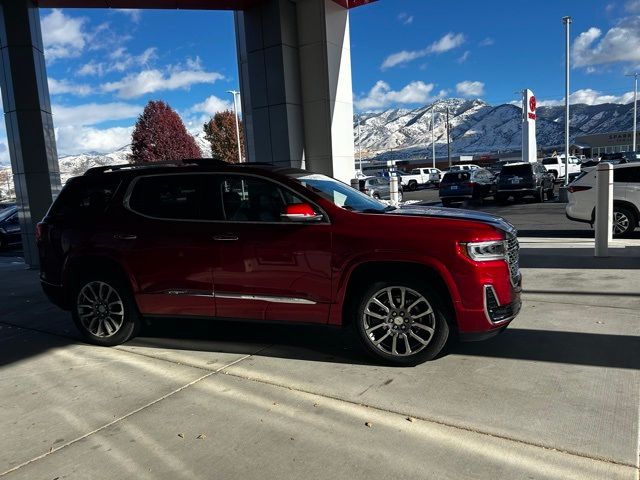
513, 258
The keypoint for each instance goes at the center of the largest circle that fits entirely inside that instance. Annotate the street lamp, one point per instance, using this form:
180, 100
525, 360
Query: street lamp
567, 23
235, 111
635, 105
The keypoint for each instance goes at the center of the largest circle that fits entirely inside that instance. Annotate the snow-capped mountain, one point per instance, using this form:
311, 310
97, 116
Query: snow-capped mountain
477, 127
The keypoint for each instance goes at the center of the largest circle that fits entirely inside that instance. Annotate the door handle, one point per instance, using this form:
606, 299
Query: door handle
125, 236
225, 238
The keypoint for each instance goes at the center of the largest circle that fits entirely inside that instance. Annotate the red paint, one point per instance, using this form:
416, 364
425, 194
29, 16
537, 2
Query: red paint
532, 103
174, 267
300, 209
532, 116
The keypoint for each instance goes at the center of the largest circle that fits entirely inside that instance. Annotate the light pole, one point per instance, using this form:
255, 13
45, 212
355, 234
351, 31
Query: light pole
433, 141
448, 138
567, 23
359, 146
235, 111
635, 105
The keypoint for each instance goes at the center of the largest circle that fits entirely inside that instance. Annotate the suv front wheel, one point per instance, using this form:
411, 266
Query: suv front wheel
104, 311
401, 322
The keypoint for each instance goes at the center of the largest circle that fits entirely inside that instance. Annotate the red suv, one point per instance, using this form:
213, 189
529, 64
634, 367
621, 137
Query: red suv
266, 243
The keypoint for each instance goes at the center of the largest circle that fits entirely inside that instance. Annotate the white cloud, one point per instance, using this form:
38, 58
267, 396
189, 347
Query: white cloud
381, 95
93, 113
120, 60
71, 139
154, 80
405, 18
487, 42
464, 57
63, 36
620, 44
212, 105
470, 89
589, 97
444, 44
133, 13
60, 87
632, 6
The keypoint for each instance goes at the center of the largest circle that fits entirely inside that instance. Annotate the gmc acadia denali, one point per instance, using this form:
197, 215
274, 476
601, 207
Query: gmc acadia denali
257, 242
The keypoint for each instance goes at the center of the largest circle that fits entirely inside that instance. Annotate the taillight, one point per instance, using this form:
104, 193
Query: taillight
468, 184
578, 188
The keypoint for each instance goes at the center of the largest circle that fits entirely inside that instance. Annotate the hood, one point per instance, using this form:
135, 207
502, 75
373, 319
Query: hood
454, 213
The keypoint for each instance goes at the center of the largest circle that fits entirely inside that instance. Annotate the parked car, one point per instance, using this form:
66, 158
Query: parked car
421, 176
626, 198
497, 167
378, 188
556, 166
524, 179
273, 244
9, 227
469, 185
463, 167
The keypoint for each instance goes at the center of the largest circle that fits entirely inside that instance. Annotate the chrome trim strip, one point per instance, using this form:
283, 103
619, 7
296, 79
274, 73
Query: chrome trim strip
265, 298
58, 285
486, 308
190, 293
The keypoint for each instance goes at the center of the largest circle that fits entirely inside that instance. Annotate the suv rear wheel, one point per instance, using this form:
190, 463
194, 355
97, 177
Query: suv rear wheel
624, 221
103, 310
401, 322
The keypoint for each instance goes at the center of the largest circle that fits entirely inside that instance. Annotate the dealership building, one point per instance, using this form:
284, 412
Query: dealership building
600, 143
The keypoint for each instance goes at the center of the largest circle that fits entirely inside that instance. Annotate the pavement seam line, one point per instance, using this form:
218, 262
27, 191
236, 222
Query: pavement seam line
438, 422
582, 304
124, 417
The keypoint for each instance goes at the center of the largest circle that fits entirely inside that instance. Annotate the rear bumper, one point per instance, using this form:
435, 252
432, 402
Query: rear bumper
56, 294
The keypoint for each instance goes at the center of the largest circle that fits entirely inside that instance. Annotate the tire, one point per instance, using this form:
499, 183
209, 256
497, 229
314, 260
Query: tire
376, 196
413, 185
446, 203
372, 322
624, 221
95, 292
539, 195
554, 174
400, 196
550, 194
501, 198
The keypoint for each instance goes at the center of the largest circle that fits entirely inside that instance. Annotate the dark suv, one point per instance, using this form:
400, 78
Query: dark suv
524, 179
264, 243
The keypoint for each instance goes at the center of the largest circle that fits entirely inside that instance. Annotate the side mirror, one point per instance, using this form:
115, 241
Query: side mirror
302, 213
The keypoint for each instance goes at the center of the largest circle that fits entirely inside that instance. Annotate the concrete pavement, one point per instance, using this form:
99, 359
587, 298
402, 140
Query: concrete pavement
556, 396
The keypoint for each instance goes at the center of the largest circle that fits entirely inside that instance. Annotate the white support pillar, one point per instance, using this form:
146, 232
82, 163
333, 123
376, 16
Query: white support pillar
604, 209
295, 79
529, 146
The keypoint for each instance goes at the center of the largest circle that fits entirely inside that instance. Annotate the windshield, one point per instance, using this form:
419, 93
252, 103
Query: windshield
455, 177
340, 194
516, 170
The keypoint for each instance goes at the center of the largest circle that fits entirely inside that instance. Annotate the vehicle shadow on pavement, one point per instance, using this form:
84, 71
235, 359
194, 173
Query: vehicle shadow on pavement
298, 342
577, 348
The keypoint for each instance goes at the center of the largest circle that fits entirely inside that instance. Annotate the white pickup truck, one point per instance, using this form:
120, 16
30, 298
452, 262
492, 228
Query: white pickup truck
420, 176
556, 166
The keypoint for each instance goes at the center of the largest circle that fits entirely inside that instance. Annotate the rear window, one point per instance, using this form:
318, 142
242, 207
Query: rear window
519, 170
85, 196
550, 161
455, 177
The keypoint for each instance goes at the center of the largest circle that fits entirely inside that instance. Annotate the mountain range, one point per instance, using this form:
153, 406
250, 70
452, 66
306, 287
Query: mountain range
476, 128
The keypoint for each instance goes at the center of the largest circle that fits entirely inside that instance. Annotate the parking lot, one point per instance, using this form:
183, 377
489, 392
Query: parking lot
557, 395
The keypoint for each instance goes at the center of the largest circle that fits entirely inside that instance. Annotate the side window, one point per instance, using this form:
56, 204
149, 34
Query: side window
626, 175
85, 196
253, 199
175, 197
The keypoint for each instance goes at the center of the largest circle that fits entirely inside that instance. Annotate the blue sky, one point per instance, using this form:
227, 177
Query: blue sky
104, 65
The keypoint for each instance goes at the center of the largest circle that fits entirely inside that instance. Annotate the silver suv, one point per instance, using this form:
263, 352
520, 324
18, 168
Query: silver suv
378, 187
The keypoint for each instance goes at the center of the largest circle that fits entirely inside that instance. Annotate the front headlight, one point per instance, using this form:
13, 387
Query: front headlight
487, 251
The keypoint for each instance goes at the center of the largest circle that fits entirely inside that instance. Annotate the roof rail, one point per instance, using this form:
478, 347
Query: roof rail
169, 163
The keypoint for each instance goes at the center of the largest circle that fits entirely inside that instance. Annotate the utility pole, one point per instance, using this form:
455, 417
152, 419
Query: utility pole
448, 138
359, 146
567, 23
635, 105
433, 141
235, 111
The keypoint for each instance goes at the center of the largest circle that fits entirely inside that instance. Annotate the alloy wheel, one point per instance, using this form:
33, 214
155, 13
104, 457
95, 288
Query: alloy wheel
100, 309
620, 223
399, 321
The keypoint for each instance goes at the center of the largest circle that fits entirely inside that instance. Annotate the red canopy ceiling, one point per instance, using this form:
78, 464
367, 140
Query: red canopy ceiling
181, 4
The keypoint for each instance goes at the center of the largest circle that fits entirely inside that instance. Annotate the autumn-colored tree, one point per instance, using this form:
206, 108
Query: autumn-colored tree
220, 131
160, 135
